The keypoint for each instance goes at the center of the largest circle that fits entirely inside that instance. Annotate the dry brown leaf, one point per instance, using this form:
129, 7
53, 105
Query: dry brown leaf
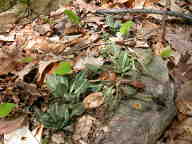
150, 2
44, 68
81, 62
83, 5
138, 4
8, 59
11, 125
42, 29
83, 127
108, 75
137, 84
187, 126
184, 99
158, 46
130, 2
183, 71
93, 100
94, 19
26, 70
141, 44
136, 106
180, 39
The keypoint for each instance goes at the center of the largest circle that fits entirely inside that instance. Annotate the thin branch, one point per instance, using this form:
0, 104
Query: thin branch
165, 17
141, 11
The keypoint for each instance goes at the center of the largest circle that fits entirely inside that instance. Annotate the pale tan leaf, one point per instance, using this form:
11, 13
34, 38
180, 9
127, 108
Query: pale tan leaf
82, 61
93, 100
139, 4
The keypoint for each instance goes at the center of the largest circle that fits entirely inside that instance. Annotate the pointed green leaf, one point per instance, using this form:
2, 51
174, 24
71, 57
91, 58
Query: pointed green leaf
167, 52
63, 68
6, 108
125, 27
26, 60
72, 16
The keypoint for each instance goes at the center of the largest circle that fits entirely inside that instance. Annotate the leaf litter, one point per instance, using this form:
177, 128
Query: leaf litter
82, 93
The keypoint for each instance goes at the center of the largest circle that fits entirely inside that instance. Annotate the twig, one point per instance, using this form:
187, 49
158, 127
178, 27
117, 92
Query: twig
146, 11
163, 26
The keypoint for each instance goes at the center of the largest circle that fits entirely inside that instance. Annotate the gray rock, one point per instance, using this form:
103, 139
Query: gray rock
143, 118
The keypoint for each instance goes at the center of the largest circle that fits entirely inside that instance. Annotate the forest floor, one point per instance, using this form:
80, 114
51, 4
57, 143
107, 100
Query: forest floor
46, 57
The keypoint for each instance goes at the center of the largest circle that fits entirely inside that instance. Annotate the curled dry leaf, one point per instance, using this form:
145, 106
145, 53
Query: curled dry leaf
93, 100
11, 125
44, 68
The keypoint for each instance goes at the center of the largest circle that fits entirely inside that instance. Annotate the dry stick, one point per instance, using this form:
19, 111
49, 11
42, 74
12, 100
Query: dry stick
163, 26
146, 11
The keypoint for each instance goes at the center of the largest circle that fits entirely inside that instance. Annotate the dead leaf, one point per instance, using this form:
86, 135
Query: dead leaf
187, 126
24, 135
93, 100
136, 106
42, 29
183, 70
138, 4
83, 127
184, 99
108, 75
8, 59
7, 126
83, 5
44, 68
94, 19
58, 137
28, 90
180, 39
26, 70
81, 62
137, 84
